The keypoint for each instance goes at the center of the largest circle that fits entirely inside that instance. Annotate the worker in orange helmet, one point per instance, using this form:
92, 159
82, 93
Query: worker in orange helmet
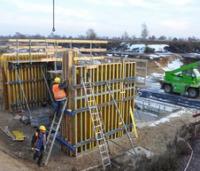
59, 93
40, 145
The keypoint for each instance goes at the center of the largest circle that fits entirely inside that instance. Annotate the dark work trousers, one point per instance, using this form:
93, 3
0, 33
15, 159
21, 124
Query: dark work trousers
39, 155
59, 106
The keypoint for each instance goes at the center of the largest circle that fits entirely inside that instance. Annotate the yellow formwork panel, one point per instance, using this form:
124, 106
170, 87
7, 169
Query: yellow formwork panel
114, 72
28, 76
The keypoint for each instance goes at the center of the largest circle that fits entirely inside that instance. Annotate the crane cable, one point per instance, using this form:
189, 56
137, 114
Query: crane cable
53, 28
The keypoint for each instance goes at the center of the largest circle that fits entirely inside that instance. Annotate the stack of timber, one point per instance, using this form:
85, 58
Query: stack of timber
23, 80
51, 46
77, 128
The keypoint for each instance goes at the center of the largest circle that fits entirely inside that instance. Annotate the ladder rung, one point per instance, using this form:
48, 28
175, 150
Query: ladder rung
100, 139
100, 132
92, 107
54, 129
102, 146
97, 126
89, 89
90, 101
97, 120
55, 123
52, 135
49, 141
106, 158
95, 116
108, 164
88, 82
94, 113
104, 152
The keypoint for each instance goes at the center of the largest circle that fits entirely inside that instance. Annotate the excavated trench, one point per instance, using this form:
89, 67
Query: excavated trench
175, 158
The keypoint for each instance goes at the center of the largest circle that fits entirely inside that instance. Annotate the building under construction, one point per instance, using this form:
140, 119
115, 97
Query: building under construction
101, 89
104, 95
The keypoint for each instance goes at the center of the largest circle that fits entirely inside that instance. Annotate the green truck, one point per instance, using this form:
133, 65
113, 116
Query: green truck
184, 80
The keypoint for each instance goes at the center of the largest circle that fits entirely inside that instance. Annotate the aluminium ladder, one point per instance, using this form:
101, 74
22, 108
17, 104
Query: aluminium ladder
97, 124
55, 125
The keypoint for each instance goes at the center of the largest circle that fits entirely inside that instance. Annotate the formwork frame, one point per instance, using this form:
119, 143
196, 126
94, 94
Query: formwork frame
24, 82
77, 126
51, 46
121, 76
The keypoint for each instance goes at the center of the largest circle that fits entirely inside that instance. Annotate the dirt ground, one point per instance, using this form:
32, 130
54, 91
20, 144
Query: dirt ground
163, 62
18, 155
9, 163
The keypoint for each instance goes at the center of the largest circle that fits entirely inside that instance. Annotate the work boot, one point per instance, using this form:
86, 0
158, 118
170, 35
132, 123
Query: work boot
40, 163
35, 156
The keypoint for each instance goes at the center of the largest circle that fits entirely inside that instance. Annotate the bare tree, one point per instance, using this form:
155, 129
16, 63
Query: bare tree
133, 37
144, 33
193, 38
125, 36
162, 38
152, 37
19, 35
90, 34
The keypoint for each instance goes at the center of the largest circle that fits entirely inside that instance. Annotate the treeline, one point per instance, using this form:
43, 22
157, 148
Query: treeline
90, 34
184, 47
176, 45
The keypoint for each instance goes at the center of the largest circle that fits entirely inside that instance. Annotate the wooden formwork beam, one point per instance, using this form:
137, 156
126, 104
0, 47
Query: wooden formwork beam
54, 45
59, 41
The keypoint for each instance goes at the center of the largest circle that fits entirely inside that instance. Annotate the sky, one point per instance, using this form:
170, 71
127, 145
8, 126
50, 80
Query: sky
172, 18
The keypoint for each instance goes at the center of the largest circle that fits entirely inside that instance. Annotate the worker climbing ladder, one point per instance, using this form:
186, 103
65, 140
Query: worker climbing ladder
97, 123
55, 125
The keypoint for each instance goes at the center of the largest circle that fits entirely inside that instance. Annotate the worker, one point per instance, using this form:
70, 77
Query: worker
59, 93
35, 137
40, 145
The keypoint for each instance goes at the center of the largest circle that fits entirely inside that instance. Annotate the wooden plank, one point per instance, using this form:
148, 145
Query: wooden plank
74, 41
87, 58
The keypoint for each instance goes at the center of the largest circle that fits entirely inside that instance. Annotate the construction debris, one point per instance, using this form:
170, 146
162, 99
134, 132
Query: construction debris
7, 132
15, 135
18, 135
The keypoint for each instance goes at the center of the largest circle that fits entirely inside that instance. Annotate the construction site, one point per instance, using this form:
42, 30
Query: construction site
116, 115
89, 104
